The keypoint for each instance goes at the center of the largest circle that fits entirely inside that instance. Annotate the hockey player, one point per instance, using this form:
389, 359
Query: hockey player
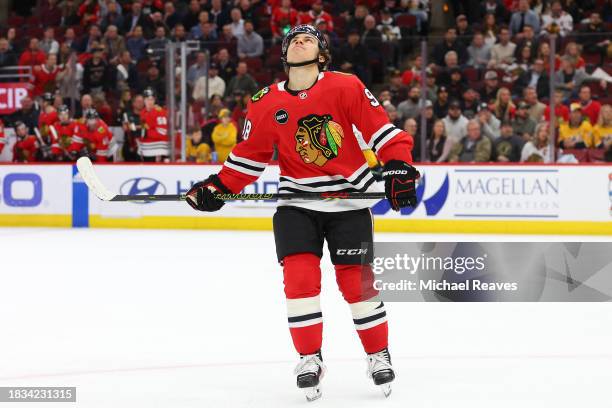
63, 132
310, 119
26, 147
154, 146
93, 138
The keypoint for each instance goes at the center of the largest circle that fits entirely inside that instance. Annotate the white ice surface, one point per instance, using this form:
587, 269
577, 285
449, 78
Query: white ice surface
185, 319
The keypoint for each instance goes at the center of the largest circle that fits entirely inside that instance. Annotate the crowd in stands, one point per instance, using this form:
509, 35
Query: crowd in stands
487, 92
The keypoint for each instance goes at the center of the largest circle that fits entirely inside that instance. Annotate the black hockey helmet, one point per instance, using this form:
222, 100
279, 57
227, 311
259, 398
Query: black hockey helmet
63, 109
305, 29
91, 114
48, 97
148, 92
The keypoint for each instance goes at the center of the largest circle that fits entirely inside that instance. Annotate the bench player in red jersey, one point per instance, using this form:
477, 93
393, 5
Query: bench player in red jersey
310, 118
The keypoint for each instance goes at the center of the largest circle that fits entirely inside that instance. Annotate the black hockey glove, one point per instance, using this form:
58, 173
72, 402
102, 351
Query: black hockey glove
400, 184
202, 195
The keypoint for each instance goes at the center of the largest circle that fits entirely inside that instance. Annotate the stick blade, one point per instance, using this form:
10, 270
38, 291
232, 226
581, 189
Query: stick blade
88, 174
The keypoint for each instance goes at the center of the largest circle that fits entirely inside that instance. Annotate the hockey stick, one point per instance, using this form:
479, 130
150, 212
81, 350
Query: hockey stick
88, 174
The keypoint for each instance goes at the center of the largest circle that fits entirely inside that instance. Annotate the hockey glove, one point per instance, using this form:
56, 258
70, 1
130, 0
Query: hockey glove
400, 184
202, 195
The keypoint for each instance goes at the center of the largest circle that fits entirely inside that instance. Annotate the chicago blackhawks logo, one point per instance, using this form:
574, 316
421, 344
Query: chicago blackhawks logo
260, 94
318, 139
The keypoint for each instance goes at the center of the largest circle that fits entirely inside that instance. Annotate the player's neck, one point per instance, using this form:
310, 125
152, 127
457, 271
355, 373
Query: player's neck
301, 78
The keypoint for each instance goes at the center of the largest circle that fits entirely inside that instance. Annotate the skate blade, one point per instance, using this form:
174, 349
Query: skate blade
386, 389
312, 393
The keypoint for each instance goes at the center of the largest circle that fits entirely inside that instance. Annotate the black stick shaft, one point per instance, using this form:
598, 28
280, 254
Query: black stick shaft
239, 197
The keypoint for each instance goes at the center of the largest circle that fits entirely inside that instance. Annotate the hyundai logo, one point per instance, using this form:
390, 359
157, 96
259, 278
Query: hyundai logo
142, 186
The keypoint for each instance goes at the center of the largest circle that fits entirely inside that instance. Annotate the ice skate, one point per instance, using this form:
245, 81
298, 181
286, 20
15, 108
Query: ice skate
309, 372
380, 370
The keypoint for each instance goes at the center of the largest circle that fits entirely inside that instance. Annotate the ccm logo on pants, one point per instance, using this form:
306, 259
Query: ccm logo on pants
357, 251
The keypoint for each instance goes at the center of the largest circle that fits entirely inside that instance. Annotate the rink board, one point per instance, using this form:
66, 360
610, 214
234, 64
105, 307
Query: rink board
536, 199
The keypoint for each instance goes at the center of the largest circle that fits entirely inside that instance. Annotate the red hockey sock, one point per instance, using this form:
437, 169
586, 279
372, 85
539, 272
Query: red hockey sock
302, 279
369, 315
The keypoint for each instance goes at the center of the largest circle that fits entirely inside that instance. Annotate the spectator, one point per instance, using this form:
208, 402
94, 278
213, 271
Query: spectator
535, 78
33, 56
413, 72
508, 147
249, 12
397, 91
536, 108
464, 31
315, 14
283, 18
392, 114
95, 73
420, 9
469, 103
431, 85
197, 69
561, 111
51, 12
578, 132
522, 17
197, 151
490, 30
594, 38
45, 76
237, 23
136, 44
250, 44
216, 85
158, 43
410, 108
449, 43
590, 107
602, 132
89, 12
69, 10
390, 31
94, 36
536, 150
479, 52
523, 125
441, 105
126, 75
456, 86
208, 37
544, 55
438, 145
28, 113
353, 57
503, 108
219, 15
7, 57
572, 51
428, 114
489, 124
455, 123
557, 21
48, 45
154, 81
69, 80
355, 22
372, 39
178, 33
568, 78
473, 147
523, 62
502, 53
227, 69
70, 39
192, 17
242, 81
527, 38
224, 136
136, 18
113, 43
113, 17
451, 63
171, 17
497, 9
491, 86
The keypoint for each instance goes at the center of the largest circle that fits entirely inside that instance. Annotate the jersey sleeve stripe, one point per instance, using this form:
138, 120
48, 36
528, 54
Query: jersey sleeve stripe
254, 164
380, 131
239, 167
385, 137
77, 139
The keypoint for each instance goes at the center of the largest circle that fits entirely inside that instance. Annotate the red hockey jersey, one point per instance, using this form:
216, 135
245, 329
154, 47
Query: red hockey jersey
25, 149
155, 140
96, 140
63, 135
315, 133
45, 120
